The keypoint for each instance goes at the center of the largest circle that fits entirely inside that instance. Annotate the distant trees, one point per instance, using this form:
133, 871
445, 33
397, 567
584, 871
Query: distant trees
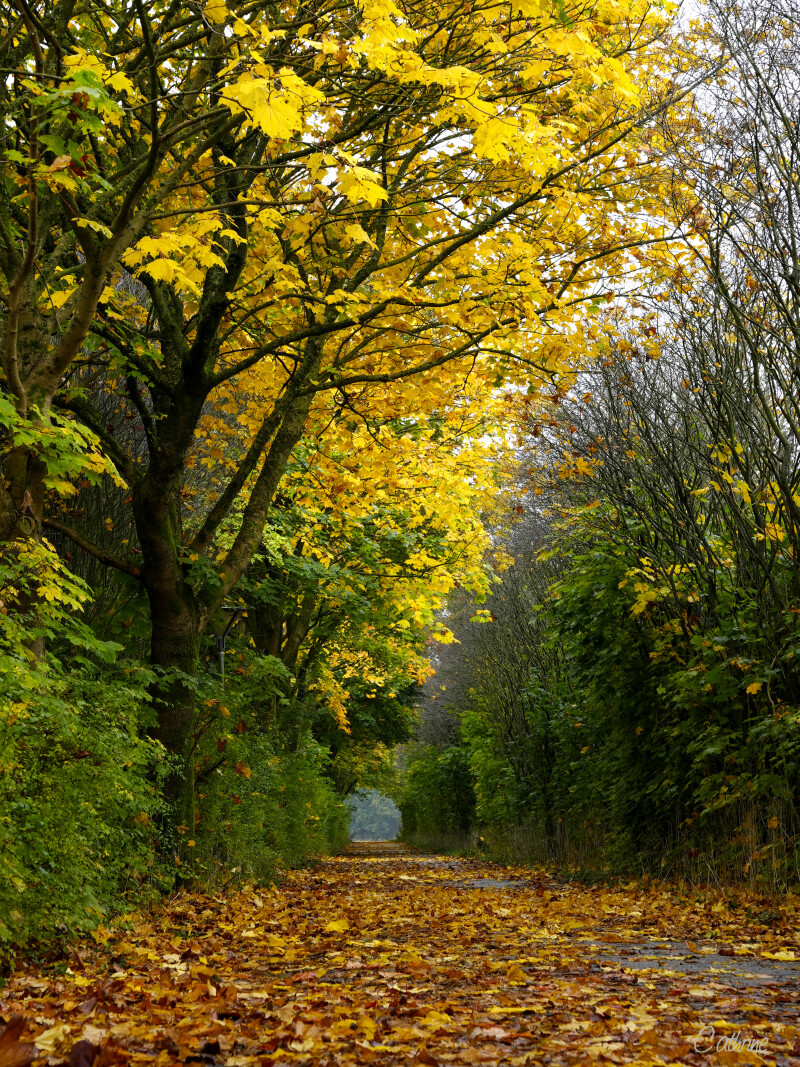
670, 481
373, 816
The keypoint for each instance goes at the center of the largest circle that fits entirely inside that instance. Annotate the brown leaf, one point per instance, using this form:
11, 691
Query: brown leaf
345, 960
112, 1054
13, 1052
83, 1054
423, 1056
495, 1033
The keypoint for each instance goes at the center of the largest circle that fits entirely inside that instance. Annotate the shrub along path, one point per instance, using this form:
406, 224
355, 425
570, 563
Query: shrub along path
388, 956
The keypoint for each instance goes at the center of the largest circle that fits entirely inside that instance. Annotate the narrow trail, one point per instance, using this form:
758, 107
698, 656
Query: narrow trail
383, 955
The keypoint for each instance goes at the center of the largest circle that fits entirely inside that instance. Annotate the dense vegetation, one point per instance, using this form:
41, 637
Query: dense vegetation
635, 703
280, 286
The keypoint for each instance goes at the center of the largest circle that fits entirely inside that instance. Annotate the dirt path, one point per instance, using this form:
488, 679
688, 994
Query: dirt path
390, 957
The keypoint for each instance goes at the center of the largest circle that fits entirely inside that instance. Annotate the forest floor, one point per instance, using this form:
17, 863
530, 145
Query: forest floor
388, 956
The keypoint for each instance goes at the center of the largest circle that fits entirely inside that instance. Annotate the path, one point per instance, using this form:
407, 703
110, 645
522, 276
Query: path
390, 957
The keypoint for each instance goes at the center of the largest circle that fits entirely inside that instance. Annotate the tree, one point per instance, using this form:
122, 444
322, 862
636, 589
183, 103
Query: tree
324, 207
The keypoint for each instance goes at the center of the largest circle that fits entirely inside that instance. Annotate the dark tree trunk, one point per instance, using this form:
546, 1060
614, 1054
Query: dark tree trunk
178, 622
175, 649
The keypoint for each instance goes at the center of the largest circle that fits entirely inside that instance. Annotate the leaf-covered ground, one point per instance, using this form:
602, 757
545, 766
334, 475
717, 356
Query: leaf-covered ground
391, 957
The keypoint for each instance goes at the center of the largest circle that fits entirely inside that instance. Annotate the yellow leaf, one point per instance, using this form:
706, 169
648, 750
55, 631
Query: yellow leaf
337, 926
60, 297
277, 111
753, 688
358, 183
491, 140
120, 82
359, 235
583, 467
54, 1041
91, 224
167, 270
435, 1019
216, 11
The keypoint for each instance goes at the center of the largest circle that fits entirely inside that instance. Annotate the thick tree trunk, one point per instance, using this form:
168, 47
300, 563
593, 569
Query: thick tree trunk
179, 616
178, 622
175, 650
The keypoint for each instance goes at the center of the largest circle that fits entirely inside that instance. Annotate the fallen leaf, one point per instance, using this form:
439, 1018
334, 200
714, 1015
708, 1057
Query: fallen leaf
13, 1051
55, 1041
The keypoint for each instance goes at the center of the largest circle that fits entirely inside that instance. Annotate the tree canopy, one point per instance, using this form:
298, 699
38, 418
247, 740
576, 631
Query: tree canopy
280, 283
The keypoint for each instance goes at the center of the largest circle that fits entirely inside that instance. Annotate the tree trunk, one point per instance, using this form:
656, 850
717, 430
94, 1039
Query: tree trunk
178, 622
175, 650
179, 615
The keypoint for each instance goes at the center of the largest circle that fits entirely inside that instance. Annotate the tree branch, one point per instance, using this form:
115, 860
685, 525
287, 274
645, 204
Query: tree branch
92, 549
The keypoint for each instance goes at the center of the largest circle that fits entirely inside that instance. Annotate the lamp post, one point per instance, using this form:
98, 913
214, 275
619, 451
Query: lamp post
221, 638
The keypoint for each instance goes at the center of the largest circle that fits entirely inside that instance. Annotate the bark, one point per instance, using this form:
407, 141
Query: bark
175, 647
179, 614
177, 622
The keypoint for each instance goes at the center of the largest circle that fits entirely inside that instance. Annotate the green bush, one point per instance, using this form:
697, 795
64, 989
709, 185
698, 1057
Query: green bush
648, 738
264, 809
264, 797
438, 796
78, 799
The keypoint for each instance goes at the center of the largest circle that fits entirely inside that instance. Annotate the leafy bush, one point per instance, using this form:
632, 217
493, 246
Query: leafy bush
267, 808
438, 796
265, 799
77, 802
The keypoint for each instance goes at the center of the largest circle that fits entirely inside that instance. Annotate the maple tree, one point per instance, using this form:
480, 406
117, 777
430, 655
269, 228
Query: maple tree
346, 597
252, 211
280, 285
371, 544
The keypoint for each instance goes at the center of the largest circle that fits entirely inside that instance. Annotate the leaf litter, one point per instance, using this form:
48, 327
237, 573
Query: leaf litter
387, 956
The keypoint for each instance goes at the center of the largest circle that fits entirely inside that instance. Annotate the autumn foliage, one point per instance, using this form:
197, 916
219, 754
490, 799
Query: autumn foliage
265, 274
389, 957
636, 704
363, 358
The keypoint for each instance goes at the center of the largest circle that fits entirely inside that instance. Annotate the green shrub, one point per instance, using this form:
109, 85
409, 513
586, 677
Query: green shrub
78, 799
264, 798
438, 797
264, 809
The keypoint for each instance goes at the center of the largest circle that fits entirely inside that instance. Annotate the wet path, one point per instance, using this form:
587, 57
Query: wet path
384, 955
